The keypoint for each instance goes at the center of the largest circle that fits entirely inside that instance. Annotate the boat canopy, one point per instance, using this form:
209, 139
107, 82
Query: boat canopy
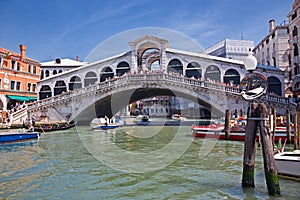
21, 98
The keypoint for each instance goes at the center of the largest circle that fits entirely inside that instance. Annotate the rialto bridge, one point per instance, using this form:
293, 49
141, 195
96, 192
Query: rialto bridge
108, 85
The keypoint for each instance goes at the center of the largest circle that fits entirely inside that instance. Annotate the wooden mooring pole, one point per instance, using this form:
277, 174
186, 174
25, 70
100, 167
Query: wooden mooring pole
288, 128
256, 117
227, 124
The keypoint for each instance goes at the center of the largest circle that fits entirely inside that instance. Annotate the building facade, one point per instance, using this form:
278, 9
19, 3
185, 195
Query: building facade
232, 49
294, 31
273, 50
18, 78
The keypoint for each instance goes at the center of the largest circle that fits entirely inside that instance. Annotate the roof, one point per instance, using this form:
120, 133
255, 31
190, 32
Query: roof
63, 62
268, 67
16, 56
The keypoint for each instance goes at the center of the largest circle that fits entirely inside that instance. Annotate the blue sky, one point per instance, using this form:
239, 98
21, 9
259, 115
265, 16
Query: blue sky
70, 28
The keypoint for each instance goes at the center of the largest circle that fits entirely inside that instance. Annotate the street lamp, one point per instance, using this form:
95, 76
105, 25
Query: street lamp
253, 85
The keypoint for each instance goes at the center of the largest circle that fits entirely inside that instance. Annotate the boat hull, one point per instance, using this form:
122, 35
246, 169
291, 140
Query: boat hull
106, 127
288, 163
12, 137
238, 136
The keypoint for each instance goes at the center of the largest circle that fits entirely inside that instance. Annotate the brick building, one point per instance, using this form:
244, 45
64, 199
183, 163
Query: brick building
18, 78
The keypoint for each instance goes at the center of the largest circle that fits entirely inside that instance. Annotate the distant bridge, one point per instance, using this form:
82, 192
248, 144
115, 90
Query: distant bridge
109, 97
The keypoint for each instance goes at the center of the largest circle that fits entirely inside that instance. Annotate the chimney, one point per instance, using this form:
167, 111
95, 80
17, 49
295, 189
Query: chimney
271, 25
22, 50
76, 58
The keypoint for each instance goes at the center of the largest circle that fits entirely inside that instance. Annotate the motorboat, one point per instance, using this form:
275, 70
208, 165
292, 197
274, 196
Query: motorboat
18, 136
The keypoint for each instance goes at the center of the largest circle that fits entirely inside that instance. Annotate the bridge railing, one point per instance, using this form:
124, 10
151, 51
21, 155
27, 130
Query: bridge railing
147, 78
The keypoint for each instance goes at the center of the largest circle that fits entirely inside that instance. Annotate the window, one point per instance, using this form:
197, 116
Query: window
0, 83
294, 15
28, 87
13, 64
296, 53
34, 69
33, 87
0, 62
18, 86
18, 66
295, 31
12, 85
29, 68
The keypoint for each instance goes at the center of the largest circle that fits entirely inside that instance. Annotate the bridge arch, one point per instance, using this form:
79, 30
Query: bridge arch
274, 85
122, 68
75, 82
176, 66
60, 87
105, 73
213, 73
45, 92
90, 79
232, 76
193, 69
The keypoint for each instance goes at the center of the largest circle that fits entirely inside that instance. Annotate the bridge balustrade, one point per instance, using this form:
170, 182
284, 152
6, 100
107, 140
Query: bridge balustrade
133, 79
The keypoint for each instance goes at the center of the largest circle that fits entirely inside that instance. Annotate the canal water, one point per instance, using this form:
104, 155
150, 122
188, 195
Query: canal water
130, 163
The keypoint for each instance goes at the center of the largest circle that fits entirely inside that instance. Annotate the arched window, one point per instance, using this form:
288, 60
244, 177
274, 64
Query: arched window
122, 68
54, 72
60, 87
75, 82
212, 73
90, 79
106, 73
47, 73
175, 66
274, 85
45, 92
232, 77
193, 70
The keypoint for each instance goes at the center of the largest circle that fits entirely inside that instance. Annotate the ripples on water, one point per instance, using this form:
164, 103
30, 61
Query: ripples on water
59, 166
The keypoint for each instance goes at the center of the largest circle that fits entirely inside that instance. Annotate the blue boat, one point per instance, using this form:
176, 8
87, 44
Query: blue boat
104, 127
18, 136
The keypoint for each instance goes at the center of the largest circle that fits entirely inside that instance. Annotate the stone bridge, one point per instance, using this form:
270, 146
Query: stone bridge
110, 96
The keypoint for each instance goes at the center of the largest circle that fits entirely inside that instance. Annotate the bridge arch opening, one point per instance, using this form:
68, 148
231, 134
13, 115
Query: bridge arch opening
175, 66
193, 70
60, 87
274, 85
45, 92
106, 73
232, 77
213, 73
90, 79
148, 57
54, 72
122, 68
75, 82
47, 73
42, 74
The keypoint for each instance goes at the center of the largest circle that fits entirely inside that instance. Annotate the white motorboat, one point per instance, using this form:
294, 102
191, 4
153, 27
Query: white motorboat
288, 163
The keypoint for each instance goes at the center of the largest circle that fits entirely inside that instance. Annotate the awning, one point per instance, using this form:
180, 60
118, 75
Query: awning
21, 98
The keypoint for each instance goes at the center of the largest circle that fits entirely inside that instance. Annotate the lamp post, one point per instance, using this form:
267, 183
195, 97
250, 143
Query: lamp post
254, 86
